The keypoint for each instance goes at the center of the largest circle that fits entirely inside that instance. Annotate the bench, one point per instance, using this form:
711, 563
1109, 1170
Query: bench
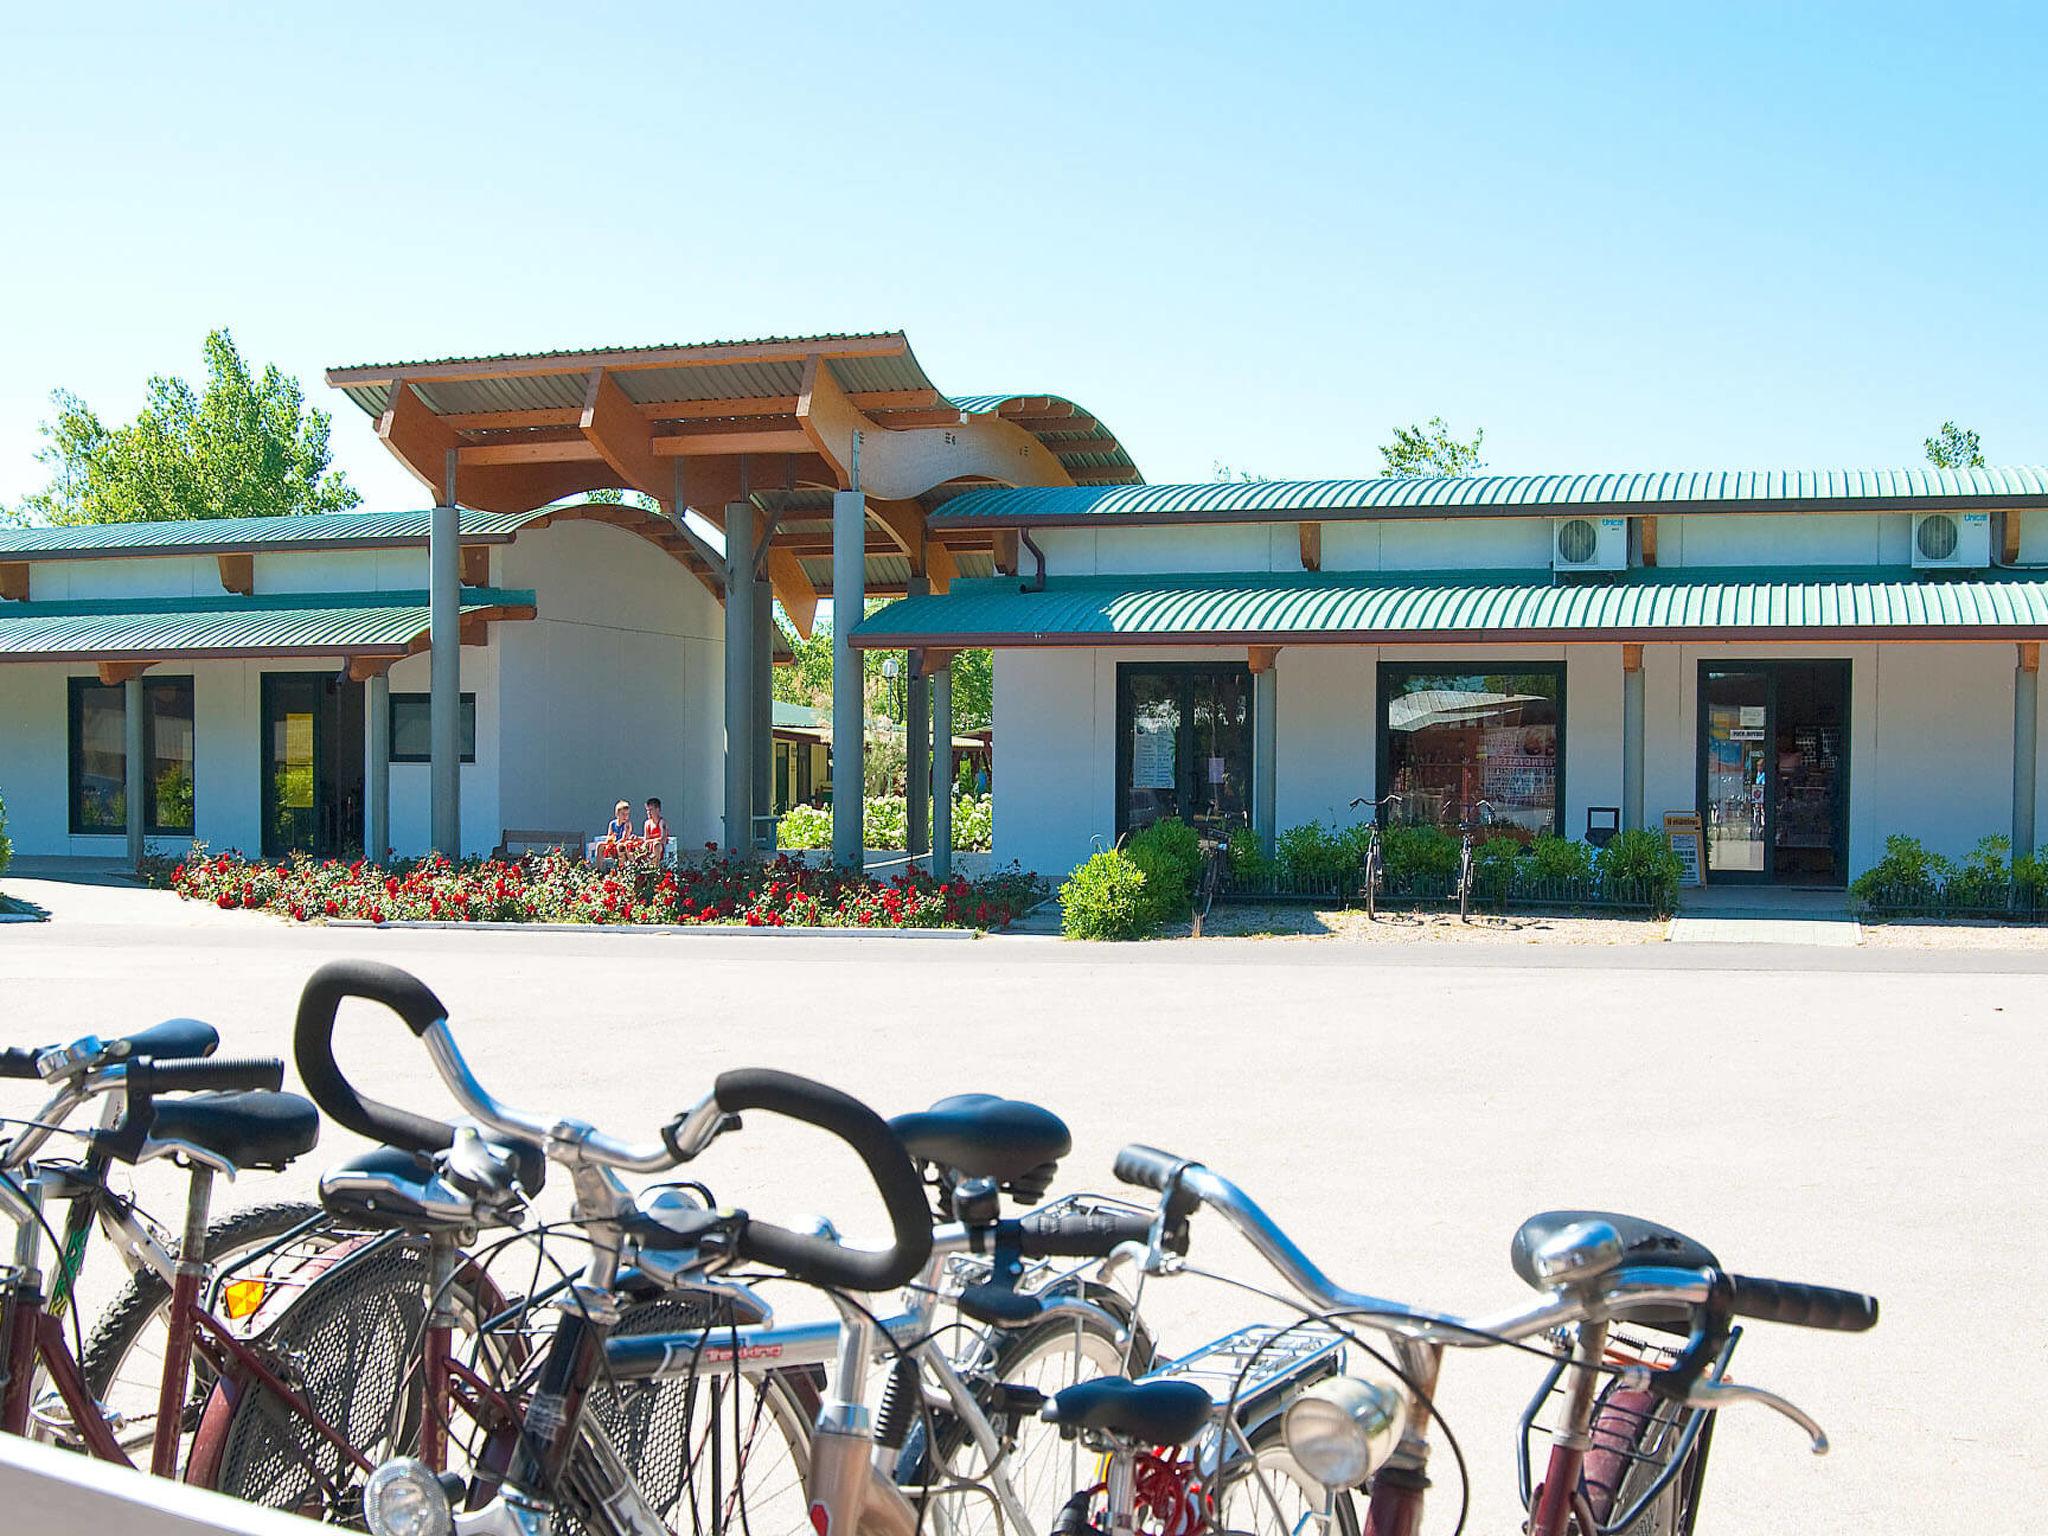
513, 841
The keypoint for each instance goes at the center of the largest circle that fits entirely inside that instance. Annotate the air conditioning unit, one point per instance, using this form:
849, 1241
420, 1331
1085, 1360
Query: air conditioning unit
1951, 541
1589, 544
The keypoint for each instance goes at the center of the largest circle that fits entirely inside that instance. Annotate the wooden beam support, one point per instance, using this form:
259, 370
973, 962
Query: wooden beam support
1632, 657
237, 573
545, 450
620, 434
1261, 657
903, 521
1006, 551
416, 437
14, 580
476, 565
2030, 655
362, 668
705, 445
115, 673
940, 568
793, 589
2008, 538
1649, 539
1311, 546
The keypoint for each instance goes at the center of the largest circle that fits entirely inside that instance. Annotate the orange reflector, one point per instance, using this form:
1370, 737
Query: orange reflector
243, 1297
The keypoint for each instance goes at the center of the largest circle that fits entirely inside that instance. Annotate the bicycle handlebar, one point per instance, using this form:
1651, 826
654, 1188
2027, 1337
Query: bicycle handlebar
19, 1061
313, 1049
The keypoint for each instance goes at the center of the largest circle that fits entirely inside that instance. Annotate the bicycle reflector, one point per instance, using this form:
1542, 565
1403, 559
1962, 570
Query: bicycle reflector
403, 1497
243, 1297
1341, 1429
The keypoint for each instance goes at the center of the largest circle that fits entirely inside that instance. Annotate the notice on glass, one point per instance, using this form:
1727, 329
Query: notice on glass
1215, 770
1152, 757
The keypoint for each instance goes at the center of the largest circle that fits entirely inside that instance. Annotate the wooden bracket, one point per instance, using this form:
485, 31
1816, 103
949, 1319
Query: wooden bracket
2008, 538
476, 631
2030, 655
1262, 657
115, 673
1311, 546
1631, 657
1006, 551
14, 580
362, 668
476, 565
237, 573
940, 568
1649, 539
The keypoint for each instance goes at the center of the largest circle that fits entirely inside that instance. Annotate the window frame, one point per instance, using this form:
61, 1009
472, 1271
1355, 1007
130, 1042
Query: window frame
75, 691
1392, 672
1182, 760
467, 707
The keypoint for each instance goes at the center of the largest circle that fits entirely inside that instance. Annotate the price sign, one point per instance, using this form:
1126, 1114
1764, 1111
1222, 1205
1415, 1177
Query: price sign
1689, 842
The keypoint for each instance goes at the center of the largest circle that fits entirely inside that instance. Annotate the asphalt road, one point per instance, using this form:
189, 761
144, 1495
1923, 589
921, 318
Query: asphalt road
1874, 1120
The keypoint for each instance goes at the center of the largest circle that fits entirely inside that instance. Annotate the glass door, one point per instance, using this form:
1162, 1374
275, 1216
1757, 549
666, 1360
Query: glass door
292, 739
1774, 771
1736, 771
1184, 744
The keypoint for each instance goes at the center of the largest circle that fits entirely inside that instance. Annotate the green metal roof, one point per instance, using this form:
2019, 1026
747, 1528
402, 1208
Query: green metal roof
1494, 495
232, 535
1492, 605
302, 624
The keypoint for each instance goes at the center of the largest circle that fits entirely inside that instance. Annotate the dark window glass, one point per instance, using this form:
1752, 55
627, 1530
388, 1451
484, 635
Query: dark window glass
1184, 744
98, 754
1496, 733
411, 737
169, 730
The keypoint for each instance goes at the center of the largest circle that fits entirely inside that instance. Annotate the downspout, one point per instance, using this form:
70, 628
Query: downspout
1037, 582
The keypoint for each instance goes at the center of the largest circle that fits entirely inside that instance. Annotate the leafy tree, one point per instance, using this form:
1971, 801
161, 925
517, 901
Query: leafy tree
1955, 447
1431, 450
808, 679
1222, 471
243, 446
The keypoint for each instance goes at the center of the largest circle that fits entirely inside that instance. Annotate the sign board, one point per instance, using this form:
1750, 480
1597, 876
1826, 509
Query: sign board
1153, 764
1689, 842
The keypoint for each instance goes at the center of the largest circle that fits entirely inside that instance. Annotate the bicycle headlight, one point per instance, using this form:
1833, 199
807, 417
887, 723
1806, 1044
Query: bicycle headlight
403, 1497
1342, 1428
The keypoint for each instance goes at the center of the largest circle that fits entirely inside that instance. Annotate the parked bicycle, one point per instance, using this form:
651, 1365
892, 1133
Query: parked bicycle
1474, 817
1373, 876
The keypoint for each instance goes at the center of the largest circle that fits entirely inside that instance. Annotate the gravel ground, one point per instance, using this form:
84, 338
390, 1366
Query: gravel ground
1352, 926
1929, 934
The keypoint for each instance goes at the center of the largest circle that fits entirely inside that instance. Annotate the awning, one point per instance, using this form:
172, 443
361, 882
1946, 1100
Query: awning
1273, 609
355, 624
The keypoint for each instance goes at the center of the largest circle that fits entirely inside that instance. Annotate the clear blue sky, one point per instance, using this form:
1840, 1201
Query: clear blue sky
1623, 237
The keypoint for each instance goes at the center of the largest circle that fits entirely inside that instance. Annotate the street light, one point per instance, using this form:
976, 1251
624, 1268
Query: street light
889, 686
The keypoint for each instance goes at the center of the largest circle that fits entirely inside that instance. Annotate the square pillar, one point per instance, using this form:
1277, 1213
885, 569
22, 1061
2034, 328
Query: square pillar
942, 768
377, 767
136, 776
444, 676
1265, 744
917, 747
2026, 736
1631, 737
741, 641
762, 742
849, 711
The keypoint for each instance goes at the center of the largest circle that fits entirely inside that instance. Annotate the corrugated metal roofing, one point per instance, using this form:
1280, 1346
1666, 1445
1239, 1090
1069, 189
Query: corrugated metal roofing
330, 623
1259, 607
358, 530
1651, 490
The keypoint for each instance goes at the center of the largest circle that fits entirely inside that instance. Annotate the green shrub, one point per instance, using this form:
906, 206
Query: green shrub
804, 826
1981, 881
974, 823
1169, 853
1419, 853
1909, 875
1495, 864
6, 848
1250, 864
2029, 878
1314, 854
1560, 858
1642, 856
1106, 898
887, 820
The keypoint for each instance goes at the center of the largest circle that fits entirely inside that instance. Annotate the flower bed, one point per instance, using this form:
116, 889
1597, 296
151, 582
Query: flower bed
559, 888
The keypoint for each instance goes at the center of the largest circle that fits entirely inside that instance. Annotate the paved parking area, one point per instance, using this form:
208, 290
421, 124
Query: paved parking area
1869, 1118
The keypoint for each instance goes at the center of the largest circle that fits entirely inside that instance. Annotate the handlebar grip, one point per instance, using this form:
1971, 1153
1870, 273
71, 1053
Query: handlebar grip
818, 1259
19, 1061
1080, 1234
1802, 1306
313, 1049
1146, 1167
222, 1075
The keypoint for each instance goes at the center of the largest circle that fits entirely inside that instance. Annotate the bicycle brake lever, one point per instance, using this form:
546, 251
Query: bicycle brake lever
1721, 1394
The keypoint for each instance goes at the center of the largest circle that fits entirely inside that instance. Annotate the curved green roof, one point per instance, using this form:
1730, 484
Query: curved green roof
1266, 609
1492, 495
233, 535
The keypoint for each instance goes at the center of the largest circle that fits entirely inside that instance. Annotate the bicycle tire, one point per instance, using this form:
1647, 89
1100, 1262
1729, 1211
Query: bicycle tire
1623, 1463
1465, 884
1014, 1360
1238, 1497
119, 1329
1372, 882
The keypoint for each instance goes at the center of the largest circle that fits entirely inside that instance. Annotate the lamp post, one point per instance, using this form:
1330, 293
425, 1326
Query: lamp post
889, 686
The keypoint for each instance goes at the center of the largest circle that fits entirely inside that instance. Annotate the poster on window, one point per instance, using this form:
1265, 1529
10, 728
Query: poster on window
1152, 757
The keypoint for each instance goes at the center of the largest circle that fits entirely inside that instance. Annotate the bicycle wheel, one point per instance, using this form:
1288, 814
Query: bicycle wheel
1465, 884
123, 1362
1268, 1494
1372, 881
1632, 1444
1042, 1468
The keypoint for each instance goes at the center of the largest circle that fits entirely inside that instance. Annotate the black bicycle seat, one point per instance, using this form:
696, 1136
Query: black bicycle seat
981, 1136
244, 1130
1148, 1412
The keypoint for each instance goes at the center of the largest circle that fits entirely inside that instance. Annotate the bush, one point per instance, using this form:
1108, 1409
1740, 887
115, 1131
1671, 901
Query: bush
974, 823
1419, 853
6, 848
1642, 856
804, 826
1560, 858
1106, 898
1169, 854
888, 824
1495, 865
1249, 862
1982, 880
1313, 854
1909, 875
2029, 879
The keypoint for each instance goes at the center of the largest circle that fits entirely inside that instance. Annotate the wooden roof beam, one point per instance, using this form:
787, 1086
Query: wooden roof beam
238, 573
940, 568
620, 434
1311, 546
704, 445
793, 589
115, 673
14, 581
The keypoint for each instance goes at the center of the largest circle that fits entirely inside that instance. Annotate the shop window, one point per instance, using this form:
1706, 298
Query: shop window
1184, 744
411, 732
98, 756
1449, 738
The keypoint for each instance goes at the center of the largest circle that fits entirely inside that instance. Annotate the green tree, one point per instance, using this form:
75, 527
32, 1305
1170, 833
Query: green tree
1431, 450
808, 679
1955, 447
241, 446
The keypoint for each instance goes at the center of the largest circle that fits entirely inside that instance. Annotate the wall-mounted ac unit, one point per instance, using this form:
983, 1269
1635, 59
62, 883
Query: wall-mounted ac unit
1951, 541
1589, 544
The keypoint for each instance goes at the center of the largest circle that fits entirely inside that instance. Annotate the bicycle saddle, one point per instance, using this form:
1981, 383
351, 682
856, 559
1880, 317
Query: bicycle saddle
1149, 1412
1642, 1242
234, 1130
172, 1040
980, 1136
389, 1189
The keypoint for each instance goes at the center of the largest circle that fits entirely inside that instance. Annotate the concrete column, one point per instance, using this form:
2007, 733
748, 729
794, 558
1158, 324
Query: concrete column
1265, 752
740, 642
942, 770
137, 788
2026, 736
849, 713
444, 678
763, 742
377, 767
1631, 737
917, 745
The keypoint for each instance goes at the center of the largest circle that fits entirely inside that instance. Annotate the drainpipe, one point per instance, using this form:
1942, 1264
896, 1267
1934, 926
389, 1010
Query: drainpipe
1037, 582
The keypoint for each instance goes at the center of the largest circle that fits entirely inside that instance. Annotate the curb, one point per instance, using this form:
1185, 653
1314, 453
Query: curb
706, 930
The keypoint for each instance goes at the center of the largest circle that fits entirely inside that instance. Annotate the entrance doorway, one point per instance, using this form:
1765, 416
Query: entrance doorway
1774, 771
312, 764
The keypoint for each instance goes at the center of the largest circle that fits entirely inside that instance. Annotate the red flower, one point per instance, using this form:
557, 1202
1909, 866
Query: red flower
333, 908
